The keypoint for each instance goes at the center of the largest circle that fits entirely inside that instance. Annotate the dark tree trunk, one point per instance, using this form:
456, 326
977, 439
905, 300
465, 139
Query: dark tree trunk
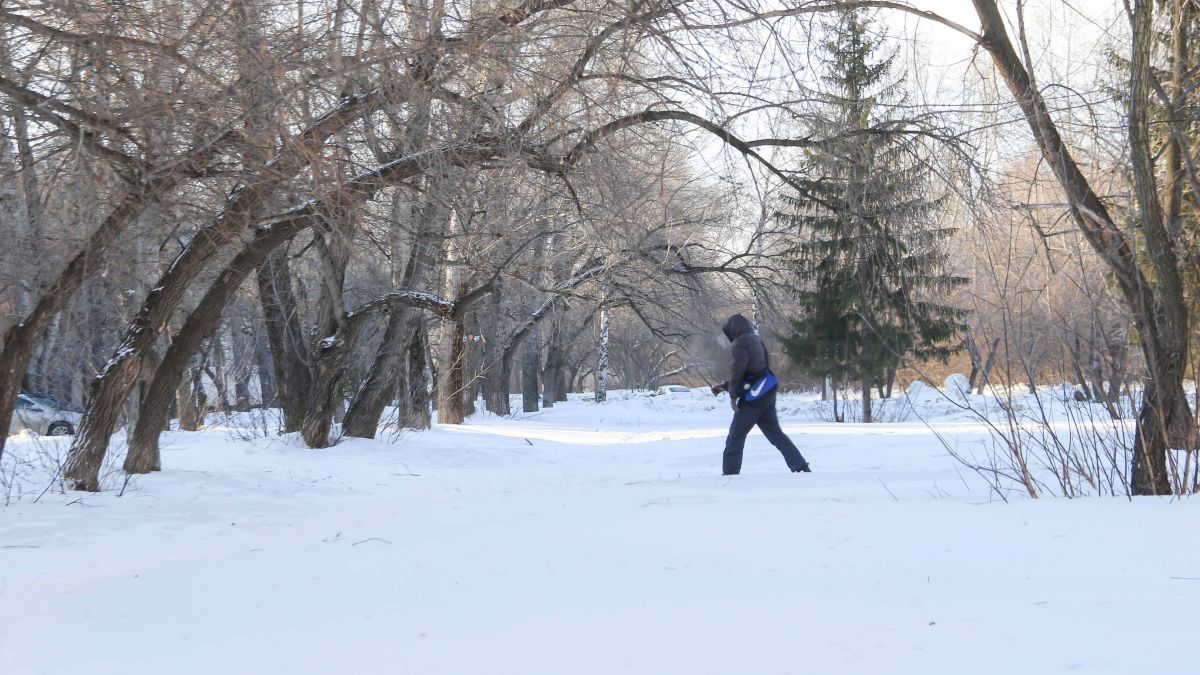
414, 400
285, 337
550, 374
220, 371
335, 349
109, 389
472, 372
201, 323
529, 373
866, 399
333, 359
496, 386
241, 390
987, 366
560, 391
268, 394
495, 373
362, 419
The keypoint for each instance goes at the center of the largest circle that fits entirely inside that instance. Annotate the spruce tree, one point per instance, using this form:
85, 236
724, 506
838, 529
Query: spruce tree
869, 261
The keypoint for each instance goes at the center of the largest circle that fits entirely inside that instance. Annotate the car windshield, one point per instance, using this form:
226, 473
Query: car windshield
38, 399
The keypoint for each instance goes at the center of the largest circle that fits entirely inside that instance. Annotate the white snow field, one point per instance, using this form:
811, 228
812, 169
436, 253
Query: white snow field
589, 539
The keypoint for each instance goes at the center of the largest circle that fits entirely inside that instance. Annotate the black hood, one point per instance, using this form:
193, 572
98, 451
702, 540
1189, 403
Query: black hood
736, 326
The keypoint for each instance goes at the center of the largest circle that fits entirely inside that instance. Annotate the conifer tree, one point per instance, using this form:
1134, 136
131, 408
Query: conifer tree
869, 260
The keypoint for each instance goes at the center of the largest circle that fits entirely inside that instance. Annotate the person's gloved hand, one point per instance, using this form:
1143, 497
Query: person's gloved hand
733, 404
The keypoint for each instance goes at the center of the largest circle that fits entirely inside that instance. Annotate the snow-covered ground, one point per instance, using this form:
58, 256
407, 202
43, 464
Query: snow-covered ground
589, 539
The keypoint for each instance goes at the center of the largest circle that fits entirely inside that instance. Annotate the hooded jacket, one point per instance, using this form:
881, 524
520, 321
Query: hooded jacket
749, 353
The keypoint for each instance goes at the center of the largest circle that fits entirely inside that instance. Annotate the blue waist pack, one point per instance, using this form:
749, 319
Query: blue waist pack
752, 391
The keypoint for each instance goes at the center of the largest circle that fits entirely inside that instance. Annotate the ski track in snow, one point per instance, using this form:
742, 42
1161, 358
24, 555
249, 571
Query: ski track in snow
590, 539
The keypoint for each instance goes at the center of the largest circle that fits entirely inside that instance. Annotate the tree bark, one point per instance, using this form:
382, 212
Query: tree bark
414, 401
602, 362
866, 399
201, 323
1164, 407
265, 369
530, 367
451, 380
112, 385
550, 374
285, 337
496, 386
379, 386
362, 420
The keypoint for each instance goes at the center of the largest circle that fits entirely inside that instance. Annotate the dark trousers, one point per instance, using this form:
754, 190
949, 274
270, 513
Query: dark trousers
762, 413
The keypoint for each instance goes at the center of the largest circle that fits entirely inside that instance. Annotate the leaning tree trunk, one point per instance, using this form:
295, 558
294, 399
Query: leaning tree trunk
112, 385
362, 419
201, 323
109, 389
335, 350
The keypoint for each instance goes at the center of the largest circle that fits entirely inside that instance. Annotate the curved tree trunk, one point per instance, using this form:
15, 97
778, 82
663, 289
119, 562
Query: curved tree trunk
87, 452
362, 419
112, 385
203, 322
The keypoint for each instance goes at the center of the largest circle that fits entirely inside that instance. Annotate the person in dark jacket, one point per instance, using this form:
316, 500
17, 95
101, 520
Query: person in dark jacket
750, 362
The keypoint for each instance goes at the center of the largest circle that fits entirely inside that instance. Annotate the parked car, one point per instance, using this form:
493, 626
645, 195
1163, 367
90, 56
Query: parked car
669, 389
53, 401
40, 417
